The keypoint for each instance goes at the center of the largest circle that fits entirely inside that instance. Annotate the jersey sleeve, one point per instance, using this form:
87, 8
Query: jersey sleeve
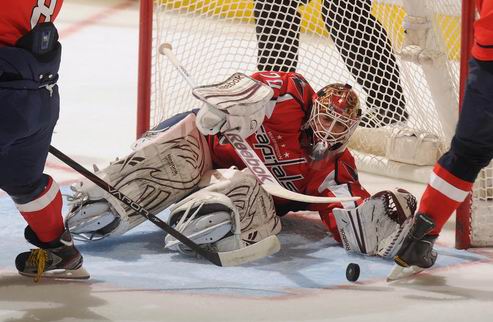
339, 180
483, 32
288, 86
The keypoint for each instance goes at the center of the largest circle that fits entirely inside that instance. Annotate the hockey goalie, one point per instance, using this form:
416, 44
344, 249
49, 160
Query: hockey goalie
184, 164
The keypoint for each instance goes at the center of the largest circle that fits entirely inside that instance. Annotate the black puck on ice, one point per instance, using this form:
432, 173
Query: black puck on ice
352, 272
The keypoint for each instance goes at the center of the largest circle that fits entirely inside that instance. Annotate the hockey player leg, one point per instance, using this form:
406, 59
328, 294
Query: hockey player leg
385, 102
277, 26
231, 213
162, 170
41, 206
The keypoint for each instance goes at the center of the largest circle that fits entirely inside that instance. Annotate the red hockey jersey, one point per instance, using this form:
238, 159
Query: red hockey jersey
17, 17
483, 31
277, 143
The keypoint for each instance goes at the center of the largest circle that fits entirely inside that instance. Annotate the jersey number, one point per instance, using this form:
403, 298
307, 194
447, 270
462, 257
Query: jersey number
42, 10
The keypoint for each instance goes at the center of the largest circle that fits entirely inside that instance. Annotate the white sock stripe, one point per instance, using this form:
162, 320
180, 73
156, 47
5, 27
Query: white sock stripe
447, 189
41, 202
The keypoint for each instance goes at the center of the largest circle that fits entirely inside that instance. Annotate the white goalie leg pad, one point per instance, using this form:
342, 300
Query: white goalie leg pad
230, 212
157, 174
379, 225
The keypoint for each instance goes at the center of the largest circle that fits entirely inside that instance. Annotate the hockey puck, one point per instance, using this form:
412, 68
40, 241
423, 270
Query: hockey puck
352, 272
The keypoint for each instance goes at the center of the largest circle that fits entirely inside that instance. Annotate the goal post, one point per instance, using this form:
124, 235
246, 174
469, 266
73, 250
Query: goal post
145, 65
407, 60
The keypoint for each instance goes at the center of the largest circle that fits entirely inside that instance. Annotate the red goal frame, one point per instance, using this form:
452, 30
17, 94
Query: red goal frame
463, 222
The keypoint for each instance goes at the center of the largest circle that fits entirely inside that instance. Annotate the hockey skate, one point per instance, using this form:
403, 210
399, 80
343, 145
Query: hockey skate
58, 259
416, 253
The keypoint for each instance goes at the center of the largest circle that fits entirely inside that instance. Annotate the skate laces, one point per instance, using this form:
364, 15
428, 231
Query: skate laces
38, 258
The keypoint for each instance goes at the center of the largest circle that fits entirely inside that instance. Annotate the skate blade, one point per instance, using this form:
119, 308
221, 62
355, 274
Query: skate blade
67, 274
398, 272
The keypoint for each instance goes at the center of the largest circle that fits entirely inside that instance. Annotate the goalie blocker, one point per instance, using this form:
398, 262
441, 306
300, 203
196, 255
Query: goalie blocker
237, 105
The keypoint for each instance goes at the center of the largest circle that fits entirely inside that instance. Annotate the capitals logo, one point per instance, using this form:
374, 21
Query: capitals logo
275, 164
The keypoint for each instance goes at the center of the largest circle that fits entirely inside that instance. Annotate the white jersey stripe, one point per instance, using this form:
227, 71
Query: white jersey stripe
285, 97
339, 190
447, 189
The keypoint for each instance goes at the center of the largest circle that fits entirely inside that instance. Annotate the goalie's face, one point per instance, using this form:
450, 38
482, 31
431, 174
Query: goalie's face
334, 117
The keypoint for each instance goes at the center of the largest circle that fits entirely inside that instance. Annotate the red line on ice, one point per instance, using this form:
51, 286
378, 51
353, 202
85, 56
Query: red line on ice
91, 20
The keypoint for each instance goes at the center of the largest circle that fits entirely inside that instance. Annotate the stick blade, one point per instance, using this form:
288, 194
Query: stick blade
281, 192
261, 249
78, 274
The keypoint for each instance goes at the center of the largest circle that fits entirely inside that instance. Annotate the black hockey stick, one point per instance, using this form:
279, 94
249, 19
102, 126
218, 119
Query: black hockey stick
247, 254
212, 257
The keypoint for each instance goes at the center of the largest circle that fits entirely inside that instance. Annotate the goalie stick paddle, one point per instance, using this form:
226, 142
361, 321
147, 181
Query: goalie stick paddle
265, 247
249, 157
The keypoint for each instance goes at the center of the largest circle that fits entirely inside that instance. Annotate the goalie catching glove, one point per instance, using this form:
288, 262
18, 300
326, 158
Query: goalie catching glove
230, 212
379, 225
236, 105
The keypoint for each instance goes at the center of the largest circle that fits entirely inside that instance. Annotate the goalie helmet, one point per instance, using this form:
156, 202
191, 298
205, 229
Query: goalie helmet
334, 117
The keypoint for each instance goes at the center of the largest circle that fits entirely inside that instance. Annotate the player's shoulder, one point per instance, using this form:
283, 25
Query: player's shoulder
285, 77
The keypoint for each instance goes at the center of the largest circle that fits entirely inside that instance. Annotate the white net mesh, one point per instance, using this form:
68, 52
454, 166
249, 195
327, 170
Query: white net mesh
404, 80
482, 209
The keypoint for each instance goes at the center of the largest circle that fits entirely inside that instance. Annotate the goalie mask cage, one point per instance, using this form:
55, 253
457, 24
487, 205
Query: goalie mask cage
408, 81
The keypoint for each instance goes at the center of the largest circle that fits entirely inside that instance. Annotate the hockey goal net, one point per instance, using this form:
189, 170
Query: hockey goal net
403, 57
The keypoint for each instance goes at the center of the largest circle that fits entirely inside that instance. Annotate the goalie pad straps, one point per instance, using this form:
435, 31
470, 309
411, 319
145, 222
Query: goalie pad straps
379, 225
230, 212
255, 207
237, 104
205, 217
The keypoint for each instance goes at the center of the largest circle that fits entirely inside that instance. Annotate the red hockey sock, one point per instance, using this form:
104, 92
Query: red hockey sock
44, 214
443, 195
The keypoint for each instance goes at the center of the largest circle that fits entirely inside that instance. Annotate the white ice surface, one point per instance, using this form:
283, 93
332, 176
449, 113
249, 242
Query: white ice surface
135, 279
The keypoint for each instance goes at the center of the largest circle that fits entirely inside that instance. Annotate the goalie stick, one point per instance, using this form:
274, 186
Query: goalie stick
265, 247
246, 153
